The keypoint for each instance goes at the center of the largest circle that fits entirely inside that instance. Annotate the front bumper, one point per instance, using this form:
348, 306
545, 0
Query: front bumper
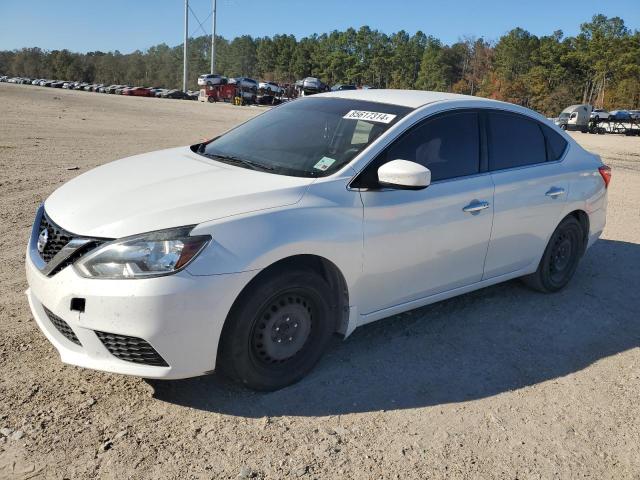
180, 316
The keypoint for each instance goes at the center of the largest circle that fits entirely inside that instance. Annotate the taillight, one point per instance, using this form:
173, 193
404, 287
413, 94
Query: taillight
605, 172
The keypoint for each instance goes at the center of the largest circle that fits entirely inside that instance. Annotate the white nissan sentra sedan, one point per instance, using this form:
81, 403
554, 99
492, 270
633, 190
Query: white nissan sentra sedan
245, 254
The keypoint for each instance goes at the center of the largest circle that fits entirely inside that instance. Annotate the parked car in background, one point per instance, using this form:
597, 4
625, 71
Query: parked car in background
174, 93
245, 83
600, 114
111, 89
121, 89
312, 85
635, 114
619, 116
57, 84
211, 79
395, 203
339, 87
140, 92
160, 91
270, 88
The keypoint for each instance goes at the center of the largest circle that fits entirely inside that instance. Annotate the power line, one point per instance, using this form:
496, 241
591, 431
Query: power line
200, 24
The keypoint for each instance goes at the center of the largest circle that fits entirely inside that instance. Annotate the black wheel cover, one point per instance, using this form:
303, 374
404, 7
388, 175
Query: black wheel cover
283, 327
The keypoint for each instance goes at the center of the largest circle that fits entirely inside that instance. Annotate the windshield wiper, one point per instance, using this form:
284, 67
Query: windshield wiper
239, 161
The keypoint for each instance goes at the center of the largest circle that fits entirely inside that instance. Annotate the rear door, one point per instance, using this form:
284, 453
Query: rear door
531, 188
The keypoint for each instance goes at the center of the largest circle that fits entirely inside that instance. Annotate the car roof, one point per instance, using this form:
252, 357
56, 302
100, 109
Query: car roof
405, 98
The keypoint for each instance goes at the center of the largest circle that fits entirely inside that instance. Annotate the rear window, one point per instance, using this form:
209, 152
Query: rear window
556, 145
514, 141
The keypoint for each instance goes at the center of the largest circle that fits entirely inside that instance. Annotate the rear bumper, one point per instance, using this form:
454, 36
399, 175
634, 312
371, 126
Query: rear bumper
180, 316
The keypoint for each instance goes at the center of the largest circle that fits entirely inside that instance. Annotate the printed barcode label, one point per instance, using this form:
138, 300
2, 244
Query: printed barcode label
378, 117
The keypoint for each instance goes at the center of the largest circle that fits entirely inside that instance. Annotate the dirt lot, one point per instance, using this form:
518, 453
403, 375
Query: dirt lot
500, 383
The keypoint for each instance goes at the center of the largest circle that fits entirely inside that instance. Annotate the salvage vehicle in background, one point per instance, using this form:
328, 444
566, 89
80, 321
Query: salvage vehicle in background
270, 88
174, 93
326, 213
211, 79
245, 83
112, 88
136, 91
312, 85
619, 116
599, 114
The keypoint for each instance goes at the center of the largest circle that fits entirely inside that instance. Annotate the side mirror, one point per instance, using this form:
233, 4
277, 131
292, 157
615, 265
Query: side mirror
403, 174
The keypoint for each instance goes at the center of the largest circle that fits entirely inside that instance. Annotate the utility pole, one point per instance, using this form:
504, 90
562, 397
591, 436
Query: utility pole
186, 48
213, 40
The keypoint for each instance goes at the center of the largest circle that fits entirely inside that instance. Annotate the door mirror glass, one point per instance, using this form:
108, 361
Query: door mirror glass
404, 174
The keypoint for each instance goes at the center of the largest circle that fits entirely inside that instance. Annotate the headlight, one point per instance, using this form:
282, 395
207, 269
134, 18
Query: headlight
142, 256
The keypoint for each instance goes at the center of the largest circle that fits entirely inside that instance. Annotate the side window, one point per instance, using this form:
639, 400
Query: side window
514, 141
556, 145
448, 145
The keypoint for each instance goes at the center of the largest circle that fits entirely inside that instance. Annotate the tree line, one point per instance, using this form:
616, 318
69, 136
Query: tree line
600, 65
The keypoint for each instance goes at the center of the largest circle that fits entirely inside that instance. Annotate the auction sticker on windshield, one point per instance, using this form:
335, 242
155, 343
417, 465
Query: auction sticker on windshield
378, 117
324, 163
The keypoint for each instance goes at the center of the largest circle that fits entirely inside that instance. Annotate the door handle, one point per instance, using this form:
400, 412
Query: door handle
555, 192
475, 207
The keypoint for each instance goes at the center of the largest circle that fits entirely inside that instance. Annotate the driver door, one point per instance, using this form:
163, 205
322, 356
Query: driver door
419, 243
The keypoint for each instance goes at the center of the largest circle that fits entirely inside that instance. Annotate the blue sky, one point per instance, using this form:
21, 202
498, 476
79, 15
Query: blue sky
138, 24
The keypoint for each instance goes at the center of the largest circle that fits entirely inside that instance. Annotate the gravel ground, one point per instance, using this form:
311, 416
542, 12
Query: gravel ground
500, 383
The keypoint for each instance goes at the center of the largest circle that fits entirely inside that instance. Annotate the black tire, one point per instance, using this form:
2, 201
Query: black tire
560, 259
563, 127
278, 330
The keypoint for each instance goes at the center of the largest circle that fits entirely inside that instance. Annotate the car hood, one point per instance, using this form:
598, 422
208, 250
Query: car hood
165, 189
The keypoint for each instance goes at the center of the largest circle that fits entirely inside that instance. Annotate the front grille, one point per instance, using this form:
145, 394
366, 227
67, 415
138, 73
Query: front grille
131, 349
56, 241
62, 326
58, 238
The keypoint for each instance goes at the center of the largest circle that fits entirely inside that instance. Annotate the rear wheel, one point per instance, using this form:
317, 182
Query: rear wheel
278, 330
560, 259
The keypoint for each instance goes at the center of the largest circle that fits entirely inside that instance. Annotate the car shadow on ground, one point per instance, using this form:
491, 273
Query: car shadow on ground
474, 346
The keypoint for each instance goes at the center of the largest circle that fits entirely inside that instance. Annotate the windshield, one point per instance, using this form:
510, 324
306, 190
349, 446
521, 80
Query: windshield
564, 115
309, 137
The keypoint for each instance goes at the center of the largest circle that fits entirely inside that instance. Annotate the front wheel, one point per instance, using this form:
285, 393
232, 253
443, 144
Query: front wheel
560, 259
278, 330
